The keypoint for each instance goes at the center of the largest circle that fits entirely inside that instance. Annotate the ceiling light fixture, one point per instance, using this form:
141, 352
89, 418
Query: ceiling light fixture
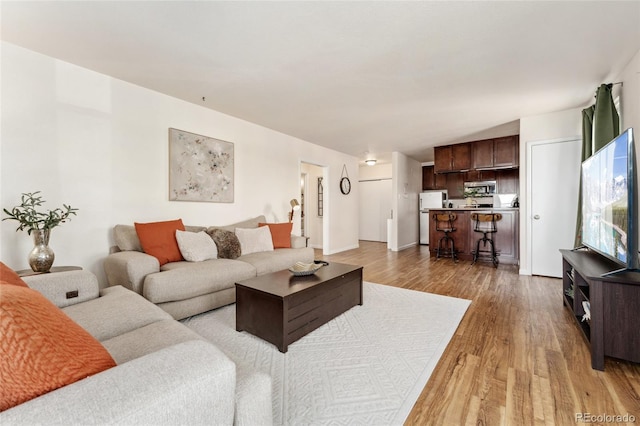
370, 162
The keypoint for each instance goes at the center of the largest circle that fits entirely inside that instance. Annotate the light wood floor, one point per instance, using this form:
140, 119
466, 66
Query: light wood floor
518, 358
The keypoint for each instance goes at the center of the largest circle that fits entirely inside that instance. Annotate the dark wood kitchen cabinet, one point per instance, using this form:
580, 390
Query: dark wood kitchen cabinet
452, 158
483, 154
508, 181
507, 239
480, 175
498, 153
461, 157
428, 177
455, 184
432, 180
506, 152
442, 159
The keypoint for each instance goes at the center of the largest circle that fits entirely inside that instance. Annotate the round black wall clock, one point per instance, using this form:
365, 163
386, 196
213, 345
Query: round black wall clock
345, 185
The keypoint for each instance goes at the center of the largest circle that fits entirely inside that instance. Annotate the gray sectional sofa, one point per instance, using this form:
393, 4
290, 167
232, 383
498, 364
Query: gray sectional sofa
164, 374
185, 288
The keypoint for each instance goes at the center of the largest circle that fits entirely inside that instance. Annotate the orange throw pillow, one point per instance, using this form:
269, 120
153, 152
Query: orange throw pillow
280, 234
41, 349
159, 240
9, 276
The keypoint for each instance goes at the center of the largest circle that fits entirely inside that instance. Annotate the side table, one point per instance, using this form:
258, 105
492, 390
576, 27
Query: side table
53, 270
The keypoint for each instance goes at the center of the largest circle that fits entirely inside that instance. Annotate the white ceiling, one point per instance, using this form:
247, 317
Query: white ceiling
356, 77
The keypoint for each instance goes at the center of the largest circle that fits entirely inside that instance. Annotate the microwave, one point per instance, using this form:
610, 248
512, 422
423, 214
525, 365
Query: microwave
482, 189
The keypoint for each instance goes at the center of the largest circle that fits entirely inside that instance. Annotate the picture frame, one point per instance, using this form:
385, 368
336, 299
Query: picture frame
320, 198
201, 168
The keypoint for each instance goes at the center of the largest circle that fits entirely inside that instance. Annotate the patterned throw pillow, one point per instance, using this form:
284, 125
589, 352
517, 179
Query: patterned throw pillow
227, 243
9, 276
196, 246
42, 348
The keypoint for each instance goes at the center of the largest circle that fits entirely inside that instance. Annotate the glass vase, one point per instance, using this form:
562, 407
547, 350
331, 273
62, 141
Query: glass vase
41, 257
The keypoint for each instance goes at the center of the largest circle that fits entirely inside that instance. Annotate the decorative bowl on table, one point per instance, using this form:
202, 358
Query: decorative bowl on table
301, 269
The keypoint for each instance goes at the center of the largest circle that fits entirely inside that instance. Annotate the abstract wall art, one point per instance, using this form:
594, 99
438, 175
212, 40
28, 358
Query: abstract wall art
200, 168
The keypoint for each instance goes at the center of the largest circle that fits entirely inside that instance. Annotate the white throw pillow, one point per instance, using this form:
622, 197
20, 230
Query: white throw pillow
254, 240
196, 246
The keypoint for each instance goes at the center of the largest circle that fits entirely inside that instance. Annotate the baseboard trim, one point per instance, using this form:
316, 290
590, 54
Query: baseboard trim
343, 249
406, 246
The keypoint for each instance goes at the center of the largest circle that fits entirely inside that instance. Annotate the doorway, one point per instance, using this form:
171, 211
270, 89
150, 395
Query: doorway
303, 189
313, 208
375, 209
553, 179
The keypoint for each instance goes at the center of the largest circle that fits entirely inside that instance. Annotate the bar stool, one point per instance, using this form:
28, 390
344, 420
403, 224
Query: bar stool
444, 223
485, 223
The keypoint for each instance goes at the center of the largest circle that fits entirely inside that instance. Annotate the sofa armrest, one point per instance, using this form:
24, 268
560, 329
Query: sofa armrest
298, 242
188, 383
65, 288
129, 268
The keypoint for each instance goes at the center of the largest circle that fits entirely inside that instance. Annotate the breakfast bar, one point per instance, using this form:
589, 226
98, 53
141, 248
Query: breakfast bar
507, 239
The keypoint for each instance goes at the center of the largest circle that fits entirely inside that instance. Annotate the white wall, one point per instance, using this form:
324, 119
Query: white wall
379, 171
407, 184
630, 96
101, 145
556, 125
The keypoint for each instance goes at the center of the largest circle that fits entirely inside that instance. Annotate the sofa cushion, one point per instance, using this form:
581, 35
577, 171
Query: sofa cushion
159, 239
126, 238
191, 383
196, 246
41, 349
115, 312
199, 278
9, 276
280, 233
180, 309
148, 339
175, 265
254, 240
227, 243
249, 223
277, 260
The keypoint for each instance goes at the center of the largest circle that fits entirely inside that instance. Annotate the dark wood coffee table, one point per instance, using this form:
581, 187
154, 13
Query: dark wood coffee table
281, 308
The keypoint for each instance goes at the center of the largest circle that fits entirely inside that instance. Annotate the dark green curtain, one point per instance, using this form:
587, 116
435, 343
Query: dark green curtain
587, 131
587, 143
600, 124
606, 123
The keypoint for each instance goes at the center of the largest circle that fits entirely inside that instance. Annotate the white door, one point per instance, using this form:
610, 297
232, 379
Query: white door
554, 183
375, 209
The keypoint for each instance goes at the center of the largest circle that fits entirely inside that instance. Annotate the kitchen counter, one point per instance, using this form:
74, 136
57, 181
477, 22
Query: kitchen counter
506, 240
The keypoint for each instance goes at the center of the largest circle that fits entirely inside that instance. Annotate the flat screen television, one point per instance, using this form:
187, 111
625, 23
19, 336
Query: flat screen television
610, 200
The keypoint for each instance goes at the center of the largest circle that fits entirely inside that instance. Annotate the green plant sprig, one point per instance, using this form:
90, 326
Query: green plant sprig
469, 193
31, 219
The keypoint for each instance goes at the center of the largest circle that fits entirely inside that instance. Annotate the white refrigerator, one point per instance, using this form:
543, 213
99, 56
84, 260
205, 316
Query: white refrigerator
429, 200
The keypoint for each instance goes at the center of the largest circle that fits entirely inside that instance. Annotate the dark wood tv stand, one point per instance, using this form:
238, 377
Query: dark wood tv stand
614, 329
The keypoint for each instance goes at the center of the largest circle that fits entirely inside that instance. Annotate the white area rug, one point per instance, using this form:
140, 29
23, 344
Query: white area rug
367, 366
